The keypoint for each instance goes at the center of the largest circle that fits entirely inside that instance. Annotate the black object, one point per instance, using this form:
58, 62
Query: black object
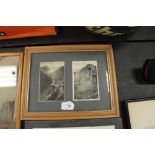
149, 70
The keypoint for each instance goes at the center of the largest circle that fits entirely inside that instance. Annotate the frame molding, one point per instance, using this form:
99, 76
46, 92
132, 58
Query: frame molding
114, 112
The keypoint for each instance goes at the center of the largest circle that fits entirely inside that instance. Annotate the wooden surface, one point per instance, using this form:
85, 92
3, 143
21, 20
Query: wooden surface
26, 31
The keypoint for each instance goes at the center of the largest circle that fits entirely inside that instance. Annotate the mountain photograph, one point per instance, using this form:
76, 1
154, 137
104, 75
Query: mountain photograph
85, 80
51, 81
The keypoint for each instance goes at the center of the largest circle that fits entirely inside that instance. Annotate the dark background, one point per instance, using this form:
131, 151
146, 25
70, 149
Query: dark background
130, 52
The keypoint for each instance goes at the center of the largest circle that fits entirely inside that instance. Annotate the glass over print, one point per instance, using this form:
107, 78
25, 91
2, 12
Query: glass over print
51, 81
85, 80
8, 90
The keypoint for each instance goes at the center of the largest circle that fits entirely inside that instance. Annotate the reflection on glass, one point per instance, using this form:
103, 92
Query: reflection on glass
107, 77
51, 81
8, 91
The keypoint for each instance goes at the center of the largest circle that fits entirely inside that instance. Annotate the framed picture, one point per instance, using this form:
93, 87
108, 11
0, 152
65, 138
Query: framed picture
115, 123
88, 127
10, 89
141, 113
69, 82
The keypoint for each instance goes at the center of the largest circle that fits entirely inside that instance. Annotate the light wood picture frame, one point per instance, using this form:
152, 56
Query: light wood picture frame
50, 108
12, 95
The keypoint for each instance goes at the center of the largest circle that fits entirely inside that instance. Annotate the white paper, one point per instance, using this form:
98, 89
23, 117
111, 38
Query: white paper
142, 114
68, 105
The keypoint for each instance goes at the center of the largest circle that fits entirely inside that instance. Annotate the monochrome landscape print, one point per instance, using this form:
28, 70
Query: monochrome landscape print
51, 81
85, 80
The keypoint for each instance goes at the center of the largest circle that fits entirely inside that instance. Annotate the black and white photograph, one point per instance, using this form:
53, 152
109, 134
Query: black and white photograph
85, 80
8, 91
51, 81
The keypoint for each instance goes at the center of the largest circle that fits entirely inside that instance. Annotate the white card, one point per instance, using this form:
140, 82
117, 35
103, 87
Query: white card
8, 76
68, 105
